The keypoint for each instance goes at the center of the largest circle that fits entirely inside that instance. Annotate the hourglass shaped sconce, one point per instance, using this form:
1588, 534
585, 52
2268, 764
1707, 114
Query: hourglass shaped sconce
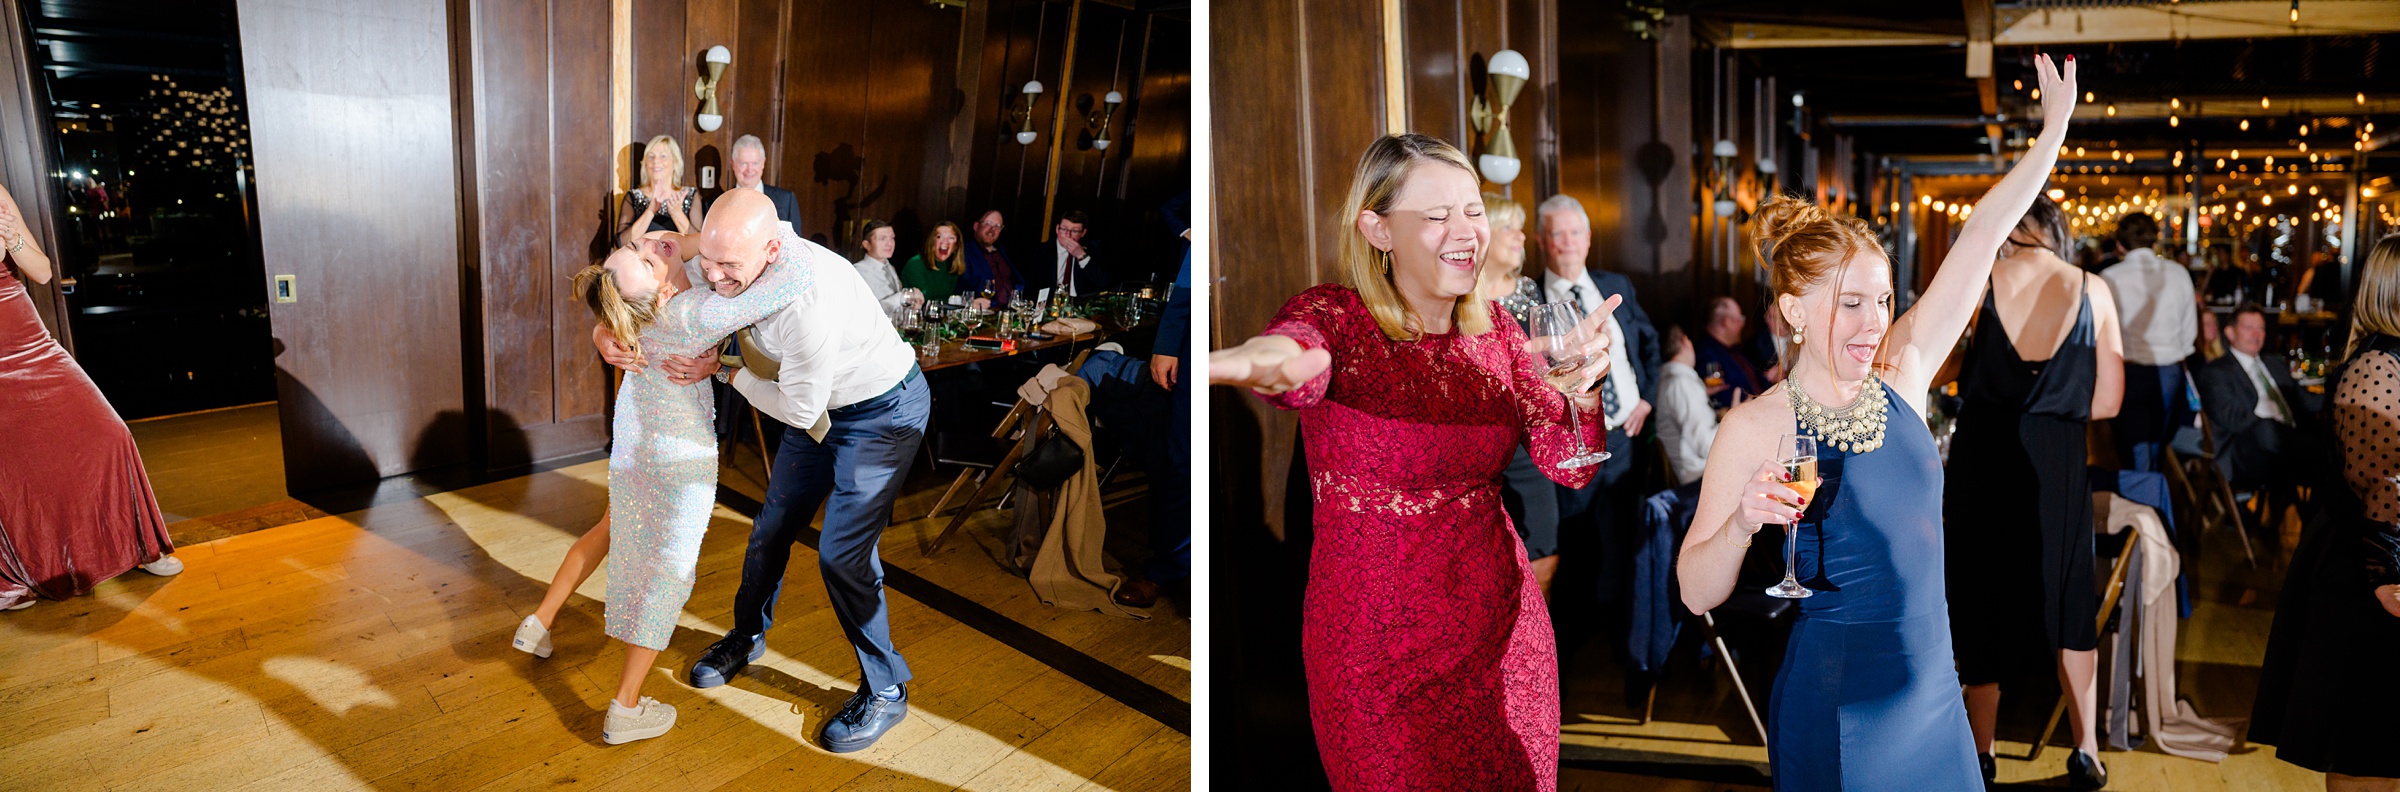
1096, 122
1021, 113
706, 88
1508, 71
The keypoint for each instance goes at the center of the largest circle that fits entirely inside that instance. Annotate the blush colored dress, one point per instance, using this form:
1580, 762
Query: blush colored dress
1430, 659
75, 505
662, 460
1868, 695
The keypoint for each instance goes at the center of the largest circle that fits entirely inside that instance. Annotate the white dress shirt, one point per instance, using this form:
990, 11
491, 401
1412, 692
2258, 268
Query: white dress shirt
2256, 371
2154, 308
883, 281
1620, 363
835, 346
1063, 281
1686, 422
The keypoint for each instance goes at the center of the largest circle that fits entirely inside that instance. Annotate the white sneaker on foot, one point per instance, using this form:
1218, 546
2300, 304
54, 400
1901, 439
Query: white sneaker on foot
627, 724
27, 603
532, 638
165, 565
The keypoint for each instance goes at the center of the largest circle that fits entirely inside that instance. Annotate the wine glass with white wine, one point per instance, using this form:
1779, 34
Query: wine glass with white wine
1799, 460
1557, 328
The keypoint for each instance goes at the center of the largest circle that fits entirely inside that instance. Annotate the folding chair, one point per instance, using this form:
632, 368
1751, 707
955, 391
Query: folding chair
986, 478
2108, 607
2206, 484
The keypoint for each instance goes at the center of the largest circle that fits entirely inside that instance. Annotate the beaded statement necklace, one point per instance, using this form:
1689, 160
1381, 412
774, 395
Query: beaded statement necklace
1855, 429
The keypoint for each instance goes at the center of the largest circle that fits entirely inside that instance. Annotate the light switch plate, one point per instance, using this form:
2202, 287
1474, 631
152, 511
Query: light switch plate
287, 289
708, 177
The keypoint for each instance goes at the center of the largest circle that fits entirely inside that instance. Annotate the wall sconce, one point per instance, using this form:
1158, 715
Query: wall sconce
1725, 151
1022, 112
706, 88
1509, 72
1096, 122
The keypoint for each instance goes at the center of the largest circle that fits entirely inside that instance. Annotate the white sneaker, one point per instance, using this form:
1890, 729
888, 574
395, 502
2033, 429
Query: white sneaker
27, 603
532, 638
164, 566
626, 725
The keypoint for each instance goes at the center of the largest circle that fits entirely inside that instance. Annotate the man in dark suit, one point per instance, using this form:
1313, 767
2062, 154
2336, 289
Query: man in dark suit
2256, 409
749, 169
1596, 522
989, 265
1064, 263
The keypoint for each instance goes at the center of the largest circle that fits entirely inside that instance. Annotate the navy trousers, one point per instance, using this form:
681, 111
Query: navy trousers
861, 464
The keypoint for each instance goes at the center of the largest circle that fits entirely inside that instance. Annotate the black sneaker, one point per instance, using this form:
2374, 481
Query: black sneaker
724, 659
863, 720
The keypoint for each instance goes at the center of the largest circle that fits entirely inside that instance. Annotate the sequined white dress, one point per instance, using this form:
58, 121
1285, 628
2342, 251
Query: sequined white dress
662, 464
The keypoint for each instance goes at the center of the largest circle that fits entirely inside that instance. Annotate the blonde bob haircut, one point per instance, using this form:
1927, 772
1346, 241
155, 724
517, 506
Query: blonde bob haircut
674, 152
2376, 310
1381, 171
624, 317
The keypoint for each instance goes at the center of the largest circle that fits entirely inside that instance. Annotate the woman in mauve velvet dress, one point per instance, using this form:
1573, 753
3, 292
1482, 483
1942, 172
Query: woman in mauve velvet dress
75, 504
1429, 654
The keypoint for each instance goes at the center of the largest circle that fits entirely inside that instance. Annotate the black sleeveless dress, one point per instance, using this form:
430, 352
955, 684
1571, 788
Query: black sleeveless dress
2017, 504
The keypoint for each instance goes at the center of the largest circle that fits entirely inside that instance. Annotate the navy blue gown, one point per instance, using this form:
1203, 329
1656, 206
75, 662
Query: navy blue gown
1868, 696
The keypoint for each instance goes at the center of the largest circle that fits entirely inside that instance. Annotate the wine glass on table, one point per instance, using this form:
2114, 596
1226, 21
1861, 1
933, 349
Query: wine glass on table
1557, 329
1799, 460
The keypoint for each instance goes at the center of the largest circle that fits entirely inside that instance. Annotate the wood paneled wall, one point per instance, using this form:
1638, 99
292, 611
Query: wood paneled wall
350, 115
1311, 97
1625, 119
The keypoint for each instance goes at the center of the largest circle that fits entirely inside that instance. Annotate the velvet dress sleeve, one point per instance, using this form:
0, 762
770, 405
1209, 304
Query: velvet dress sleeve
2367, 419
1542, 411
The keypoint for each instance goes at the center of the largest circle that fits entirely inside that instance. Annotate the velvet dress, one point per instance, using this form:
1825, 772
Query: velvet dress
75, 505
1430, 658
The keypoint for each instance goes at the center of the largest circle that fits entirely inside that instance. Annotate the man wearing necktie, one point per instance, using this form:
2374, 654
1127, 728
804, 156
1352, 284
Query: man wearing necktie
1596, 522
830, 367
988, 265
2257, 410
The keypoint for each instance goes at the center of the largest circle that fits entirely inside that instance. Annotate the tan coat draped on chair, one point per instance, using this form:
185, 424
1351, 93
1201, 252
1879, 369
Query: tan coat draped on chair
1072, 571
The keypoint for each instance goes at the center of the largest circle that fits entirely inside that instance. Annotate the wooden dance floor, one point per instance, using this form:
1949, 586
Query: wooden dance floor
369, 650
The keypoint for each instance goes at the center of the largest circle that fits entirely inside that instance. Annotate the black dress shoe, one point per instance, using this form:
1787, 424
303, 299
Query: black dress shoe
1991, 769
2084, 771
863, 720
725, 658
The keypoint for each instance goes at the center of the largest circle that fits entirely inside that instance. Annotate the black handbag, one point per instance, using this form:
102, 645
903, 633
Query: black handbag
1053, 460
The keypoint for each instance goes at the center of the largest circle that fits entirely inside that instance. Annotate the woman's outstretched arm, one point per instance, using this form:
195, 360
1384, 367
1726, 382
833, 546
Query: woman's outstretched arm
1921, 340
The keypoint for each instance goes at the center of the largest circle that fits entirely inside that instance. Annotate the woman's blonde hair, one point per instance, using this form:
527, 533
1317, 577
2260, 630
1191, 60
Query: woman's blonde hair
2376, 310
624, 318
1381, 172
674, 152
1805, 245
958, 248
1500, 212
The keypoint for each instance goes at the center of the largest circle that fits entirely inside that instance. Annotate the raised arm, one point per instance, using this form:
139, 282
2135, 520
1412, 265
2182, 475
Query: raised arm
1920, 340
17, 243
781, 283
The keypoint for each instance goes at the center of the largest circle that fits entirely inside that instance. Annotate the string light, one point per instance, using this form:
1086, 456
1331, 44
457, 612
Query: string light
2089, 97
2262, 101
2245, 125
2112, 111
2018, 84
2176, 103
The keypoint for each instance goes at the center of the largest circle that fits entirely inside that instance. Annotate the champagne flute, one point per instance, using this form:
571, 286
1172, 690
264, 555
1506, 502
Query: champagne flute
1558, 328
1799, 461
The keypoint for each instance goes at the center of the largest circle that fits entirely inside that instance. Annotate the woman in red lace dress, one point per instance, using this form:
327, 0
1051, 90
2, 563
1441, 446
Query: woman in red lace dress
1430, 659
75, 504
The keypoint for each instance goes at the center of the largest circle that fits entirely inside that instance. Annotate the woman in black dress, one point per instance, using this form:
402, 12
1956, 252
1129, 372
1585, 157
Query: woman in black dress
2043, 361
2325, 698
662, 203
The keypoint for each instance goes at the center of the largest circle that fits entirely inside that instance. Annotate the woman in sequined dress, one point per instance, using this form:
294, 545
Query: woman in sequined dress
662, 466
1429, 654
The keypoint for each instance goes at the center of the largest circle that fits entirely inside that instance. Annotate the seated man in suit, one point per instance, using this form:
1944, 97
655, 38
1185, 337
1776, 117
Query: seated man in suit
1721, 344
1065, 263
989, 266
2256, 408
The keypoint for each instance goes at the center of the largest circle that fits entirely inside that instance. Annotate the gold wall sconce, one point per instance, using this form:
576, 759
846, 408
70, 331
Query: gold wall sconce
1021, 112
1508, 71
706, 88
1096, 121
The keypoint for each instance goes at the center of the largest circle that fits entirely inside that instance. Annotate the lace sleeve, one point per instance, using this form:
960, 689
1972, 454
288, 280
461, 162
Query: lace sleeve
1312, 318
1542, 411
2366, 409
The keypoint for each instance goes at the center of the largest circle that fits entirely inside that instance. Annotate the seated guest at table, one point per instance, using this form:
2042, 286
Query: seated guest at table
2325, 700
2255, 407
1686, 422
2155, 303
1721, 345
75, 504
662, 203
989, 269
934, 271
749, 166
1064, 264
878, 245
1766, 347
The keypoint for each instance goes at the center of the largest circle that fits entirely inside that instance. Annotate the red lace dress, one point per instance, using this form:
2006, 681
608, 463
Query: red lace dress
1431, 663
